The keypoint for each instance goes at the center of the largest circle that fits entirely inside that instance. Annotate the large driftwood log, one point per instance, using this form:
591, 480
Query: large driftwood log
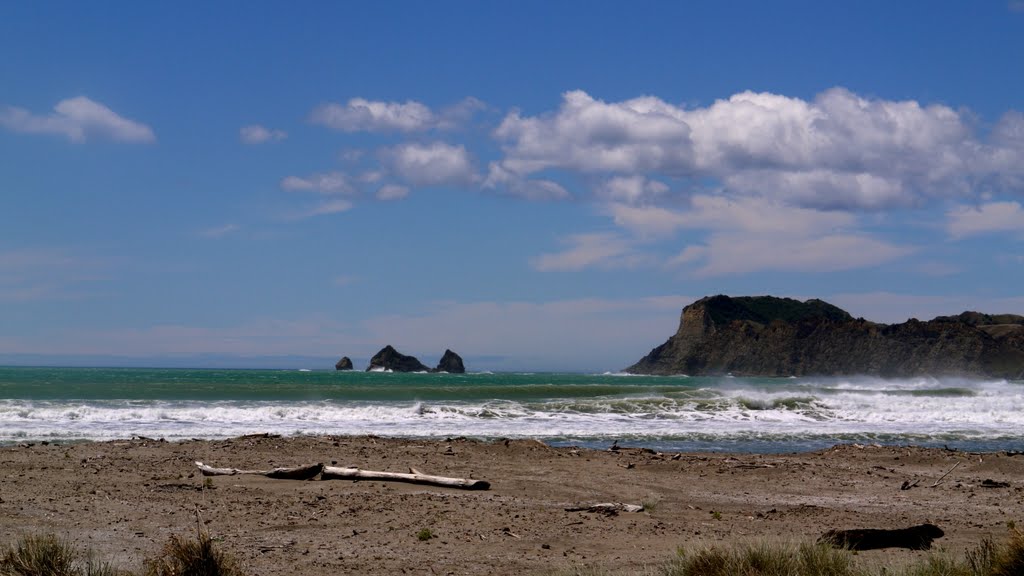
915, 538
297, 473
414, 477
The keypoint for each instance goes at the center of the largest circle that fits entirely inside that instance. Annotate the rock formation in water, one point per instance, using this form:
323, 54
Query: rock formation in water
344, 364
769, 336
451, 363
390, 359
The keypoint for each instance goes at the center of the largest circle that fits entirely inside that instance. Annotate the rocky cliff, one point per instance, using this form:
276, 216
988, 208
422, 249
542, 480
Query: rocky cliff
768, 336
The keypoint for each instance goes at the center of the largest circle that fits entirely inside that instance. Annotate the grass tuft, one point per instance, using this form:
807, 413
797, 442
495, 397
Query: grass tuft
192, 558
40, 555
424, 534
1008, 560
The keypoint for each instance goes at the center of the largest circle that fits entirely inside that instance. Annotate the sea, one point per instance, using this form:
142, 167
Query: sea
665, 413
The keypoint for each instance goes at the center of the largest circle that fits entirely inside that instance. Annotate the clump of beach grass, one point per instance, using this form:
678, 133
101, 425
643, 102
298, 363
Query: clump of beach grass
40, 555
193, 558
763, 559
49, 555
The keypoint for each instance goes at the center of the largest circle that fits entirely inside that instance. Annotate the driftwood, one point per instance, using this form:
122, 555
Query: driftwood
914, 538
608, 508
413, 477
297, 473
941, 478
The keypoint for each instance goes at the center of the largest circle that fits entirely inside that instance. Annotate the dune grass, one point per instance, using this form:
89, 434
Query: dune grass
49, 555
766, 559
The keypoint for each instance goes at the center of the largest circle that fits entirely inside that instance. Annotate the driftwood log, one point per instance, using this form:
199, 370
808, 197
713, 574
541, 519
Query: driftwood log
914, 538
297, 473
413, 477
608, 508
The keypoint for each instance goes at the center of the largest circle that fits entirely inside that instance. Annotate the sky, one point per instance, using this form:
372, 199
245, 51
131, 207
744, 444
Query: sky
535, 185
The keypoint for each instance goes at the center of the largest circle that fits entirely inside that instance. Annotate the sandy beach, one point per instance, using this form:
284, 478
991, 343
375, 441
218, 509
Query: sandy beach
125, 498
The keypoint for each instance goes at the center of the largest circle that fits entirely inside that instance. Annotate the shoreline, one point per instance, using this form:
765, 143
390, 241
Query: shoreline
126, 497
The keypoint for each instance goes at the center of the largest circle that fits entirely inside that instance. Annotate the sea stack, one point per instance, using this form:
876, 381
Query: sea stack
769, 336
344, 364
450, 363
390, 359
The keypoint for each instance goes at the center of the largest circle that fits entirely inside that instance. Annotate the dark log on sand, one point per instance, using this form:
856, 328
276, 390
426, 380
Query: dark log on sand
413, 477
915, 538
297, 473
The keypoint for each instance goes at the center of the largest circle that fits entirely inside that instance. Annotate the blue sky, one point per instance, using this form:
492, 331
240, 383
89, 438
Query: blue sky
535, 185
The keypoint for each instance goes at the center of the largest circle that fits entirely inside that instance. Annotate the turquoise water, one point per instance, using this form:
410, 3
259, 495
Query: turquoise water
668, 413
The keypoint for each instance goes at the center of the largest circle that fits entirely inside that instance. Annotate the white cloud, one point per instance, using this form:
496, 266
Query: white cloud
256, 134
432, 164
333, 206
219, 231
839, 151
361, 115
593, 136
631, 189
985, 219
78, 119
734, 253
325, 183
392, 192
755, 234
601, 250
499, 178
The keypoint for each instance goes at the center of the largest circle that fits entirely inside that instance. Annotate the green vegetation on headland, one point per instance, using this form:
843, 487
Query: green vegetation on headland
769, 336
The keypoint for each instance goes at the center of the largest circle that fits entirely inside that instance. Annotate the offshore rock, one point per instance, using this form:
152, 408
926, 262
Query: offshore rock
769, 336
344, 364
451, 363
390, 359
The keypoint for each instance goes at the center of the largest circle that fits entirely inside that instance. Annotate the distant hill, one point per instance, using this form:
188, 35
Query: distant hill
770, 336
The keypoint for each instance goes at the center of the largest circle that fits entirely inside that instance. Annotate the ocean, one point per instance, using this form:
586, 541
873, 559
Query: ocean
678, 413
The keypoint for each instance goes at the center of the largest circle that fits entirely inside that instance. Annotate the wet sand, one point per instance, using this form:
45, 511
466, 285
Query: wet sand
125, 498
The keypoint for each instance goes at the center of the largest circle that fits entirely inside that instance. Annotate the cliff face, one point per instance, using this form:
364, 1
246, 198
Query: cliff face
768, 336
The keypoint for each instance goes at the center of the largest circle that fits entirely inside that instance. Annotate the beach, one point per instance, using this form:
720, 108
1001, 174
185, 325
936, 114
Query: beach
125, 498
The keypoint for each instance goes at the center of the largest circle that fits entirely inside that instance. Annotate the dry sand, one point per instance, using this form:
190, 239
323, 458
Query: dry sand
126, 498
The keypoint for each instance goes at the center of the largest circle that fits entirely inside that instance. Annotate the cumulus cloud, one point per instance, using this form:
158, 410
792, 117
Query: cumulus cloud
631, 189
362, 115
499, 178
432, 164
839, 151
987, 218
256, 134
78, 119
